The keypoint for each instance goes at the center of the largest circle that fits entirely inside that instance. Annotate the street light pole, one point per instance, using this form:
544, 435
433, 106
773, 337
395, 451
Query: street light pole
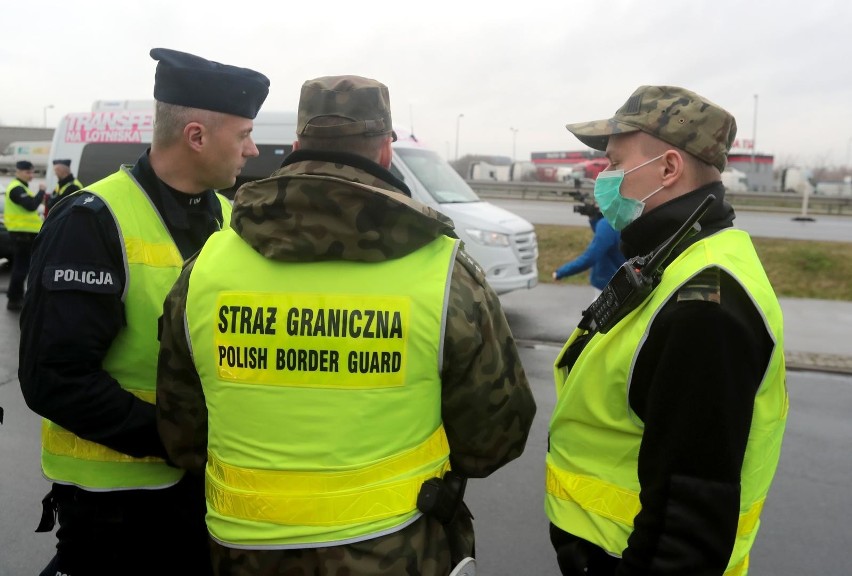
754, 135
458, 121
44, 114
514, 134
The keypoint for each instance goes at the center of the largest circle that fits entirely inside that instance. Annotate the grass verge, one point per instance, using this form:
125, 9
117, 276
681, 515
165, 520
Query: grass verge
796, 268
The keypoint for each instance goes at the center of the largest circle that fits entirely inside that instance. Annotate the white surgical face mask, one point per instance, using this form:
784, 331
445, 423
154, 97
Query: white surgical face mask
618, 210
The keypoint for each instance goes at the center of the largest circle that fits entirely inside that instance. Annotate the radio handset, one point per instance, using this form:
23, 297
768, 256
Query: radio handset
637, 278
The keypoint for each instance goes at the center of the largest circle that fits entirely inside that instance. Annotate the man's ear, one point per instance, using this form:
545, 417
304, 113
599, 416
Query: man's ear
673, 167
386, 154
194, 135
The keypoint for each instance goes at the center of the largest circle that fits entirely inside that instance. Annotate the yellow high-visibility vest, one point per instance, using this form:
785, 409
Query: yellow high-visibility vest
153, 263
16, 217
592, 486
58, 191
322, 383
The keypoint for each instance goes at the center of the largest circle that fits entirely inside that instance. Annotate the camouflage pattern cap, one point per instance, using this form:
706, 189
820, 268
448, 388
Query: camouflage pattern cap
362, 106
674, 115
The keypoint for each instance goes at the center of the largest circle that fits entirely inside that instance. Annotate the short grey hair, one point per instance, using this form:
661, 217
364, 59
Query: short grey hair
170, 120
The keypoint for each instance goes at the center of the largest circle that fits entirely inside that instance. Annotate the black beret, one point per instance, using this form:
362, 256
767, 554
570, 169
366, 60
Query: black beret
188, 80
23, 165
64, 161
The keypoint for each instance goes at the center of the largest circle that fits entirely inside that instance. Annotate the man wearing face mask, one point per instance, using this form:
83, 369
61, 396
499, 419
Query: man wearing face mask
667, 428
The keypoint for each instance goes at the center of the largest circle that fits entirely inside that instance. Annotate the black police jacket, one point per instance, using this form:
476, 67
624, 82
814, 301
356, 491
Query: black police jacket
65, 334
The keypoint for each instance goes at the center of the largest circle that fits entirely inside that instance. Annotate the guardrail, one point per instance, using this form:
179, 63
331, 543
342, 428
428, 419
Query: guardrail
771, 201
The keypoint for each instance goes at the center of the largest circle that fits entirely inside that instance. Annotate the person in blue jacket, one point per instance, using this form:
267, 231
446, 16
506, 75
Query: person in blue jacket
603, 254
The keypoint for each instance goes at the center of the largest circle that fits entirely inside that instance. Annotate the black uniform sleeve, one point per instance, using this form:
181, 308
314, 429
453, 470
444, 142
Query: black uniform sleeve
66, 332
19, 196
694, 388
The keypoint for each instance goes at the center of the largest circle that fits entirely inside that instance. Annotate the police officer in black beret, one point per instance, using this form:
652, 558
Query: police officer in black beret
102, 265
23, 223
66, 183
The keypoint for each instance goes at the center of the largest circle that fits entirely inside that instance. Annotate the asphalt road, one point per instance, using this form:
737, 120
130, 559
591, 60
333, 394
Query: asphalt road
805, 521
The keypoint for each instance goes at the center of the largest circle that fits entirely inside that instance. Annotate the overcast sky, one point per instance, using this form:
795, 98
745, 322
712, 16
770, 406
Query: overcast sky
517, 71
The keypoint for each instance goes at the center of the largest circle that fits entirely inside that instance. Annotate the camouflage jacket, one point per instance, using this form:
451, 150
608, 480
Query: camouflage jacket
487, 405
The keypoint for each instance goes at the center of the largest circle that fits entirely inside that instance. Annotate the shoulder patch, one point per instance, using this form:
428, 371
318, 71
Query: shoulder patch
703, 286
85, 200
470, 264
85, 278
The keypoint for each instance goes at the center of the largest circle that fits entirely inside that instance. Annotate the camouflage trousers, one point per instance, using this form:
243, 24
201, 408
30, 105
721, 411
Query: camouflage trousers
420, 549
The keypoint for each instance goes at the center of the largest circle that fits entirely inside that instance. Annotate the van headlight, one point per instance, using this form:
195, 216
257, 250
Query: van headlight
488, 237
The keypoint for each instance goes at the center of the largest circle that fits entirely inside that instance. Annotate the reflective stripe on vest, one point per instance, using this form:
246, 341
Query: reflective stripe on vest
616, 503
340, 382
592, 487
152, 264
59, 441
16, 217
319, 498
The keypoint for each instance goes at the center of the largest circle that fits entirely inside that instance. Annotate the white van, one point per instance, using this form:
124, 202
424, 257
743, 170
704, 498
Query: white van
35, 151
503, 243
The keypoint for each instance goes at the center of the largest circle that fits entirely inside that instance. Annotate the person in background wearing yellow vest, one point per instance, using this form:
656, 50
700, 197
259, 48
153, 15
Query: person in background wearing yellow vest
667, 427
23, 222
66, 184
331, 354
102, 267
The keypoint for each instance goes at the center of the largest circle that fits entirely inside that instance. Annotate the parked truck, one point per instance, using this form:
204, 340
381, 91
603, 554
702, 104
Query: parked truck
795, 180
735, 180
481, 170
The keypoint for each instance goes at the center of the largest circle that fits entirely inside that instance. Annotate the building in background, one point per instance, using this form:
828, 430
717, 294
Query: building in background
567, 166
9, 134
24, 143
758, 168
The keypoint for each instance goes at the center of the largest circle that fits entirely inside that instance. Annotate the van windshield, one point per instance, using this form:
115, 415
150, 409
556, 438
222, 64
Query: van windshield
437, 176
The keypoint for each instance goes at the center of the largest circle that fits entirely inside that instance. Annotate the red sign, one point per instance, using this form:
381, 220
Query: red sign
118, 126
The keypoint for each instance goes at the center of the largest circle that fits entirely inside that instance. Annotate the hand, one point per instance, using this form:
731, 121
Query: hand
42, 188
553, 275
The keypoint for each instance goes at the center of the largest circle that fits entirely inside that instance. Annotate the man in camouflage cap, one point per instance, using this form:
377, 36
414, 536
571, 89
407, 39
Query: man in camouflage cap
355, 105
674, 115
668, 424
342, 351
